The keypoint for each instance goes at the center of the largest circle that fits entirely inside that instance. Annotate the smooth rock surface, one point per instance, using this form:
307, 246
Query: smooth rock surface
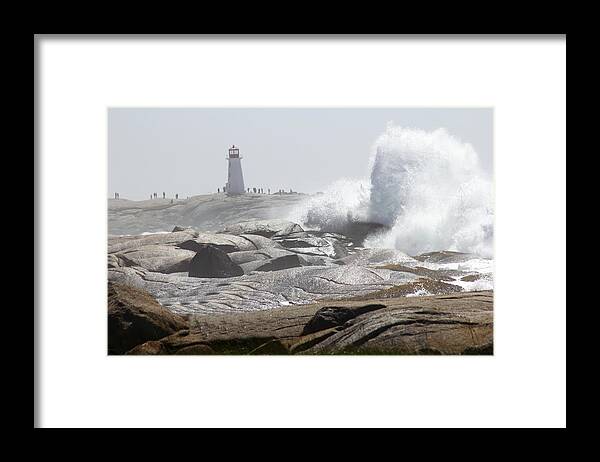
265, 228
259, 290
447, 324
210, 212
157, 258
273, 264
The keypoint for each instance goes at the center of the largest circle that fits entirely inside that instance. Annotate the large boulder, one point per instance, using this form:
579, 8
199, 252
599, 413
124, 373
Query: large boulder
225, 242
447, 324
135, 317
212, 262
265, 228
157, 258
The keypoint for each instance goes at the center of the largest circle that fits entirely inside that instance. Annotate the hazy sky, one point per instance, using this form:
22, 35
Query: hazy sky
183, 150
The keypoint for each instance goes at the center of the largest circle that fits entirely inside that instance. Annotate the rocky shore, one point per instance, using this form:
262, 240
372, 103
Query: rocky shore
457, 324
268, 286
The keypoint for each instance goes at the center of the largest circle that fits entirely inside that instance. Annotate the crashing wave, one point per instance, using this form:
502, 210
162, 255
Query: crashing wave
427, 189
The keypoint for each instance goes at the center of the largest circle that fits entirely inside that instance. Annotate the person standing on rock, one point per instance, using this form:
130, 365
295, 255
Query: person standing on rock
163, 195
176, 196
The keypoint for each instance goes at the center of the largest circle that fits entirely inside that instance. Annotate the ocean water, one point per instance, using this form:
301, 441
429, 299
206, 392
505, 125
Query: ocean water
426, 187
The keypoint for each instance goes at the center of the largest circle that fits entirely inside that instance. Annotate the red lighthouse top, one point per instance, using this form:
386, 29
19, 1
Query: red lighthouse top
233, 151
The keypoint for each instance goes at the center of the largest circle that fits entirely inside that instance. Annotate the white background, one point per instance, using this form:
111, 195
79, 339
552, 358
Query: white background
523, 384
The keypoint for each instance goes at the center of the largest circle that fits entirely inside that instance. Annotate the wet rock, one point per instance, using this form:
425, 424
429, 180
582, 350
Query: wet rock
211, 262
378, 257
356, 231
313, 245
135, 317
441, 275
445, 256
422, 286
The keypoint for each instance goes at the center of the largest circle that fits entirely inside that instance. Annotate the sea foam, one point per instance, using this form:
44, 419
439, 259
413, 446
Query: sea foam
426, 187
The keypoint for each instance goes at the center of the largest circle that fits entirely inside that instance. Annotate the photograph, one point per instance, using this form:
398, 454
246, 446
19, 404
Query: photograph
300, 231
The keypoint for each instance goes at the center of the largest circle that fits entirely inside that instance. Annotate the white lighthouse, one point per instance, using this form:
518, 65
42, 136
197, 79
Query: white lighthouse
235, 179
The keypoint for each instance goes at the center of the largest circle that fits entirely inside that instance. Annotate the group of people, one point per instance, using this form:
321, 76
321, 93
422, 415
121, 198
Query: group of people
260, 191
254, 190
152, 196
155, 196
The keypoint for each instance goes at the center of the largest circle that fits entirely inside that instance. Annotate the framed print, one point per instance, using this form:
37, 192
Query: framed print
300, 231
